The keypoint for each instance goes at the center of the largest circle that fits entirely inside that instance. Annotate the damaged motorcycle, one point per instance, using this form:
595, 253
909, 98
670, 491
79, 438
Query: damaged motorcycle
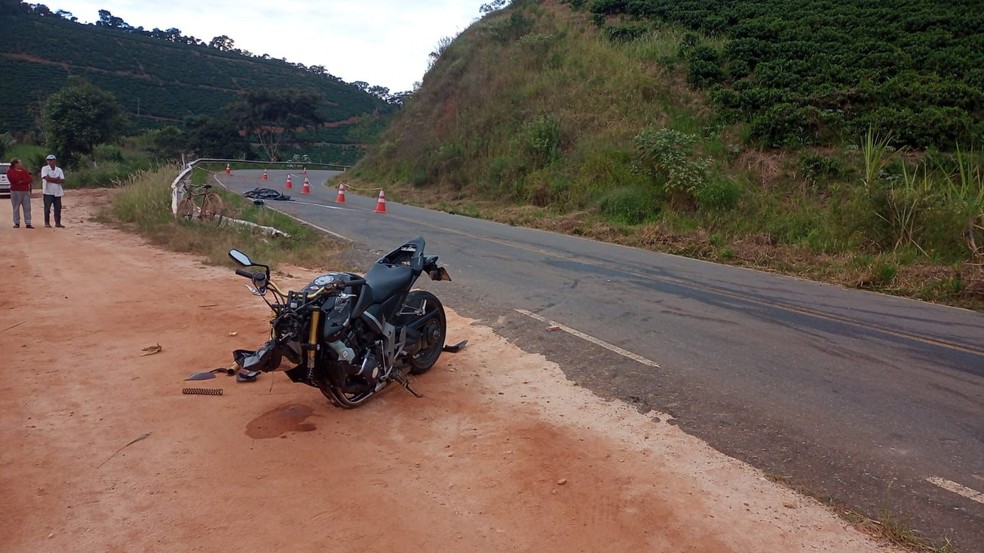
350, 336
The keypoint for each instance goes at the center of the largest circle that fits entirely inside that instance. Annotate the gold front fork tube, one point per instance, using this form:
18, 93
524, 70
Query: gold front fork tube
313, 339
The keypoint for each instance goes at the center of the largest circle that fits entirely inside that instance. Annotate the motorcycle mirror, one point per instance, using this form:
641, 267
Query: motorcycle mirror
240, 257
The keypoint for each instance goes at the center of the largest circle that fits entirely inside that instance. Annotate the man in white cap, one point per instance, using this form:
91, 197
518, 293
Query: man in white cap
52, 178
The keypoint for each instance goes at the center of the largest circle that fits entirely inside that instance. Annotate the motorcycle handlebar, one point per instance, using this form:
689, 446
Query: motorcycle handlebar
244, 273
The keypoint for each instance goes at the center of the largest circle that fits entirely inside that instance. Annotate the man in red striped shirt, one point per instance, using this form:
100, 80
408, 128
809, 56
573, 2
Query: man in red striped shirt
20, 191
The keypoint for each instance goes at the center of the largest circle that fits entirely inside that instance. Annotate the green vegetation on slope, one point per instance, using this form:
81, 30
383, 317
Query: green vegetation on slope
824, 72
537, 116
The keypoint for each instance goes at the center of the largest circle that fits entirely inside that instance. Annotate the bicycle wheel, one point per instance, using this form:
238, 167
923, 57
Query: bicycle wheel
212, 208
186, 208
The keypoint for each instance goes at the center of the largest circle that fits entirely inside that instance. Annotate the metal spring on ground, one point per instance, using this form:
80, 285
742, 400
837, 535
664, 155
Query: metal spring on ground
202, 391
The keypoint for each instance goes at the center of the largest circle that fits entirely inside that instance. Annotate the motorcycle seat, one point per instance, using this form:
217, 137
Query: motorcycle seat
384, 280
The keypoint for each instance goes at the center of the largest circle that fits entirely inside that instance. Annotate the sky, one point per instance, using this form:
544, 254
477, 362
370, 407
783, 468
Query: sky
381, 42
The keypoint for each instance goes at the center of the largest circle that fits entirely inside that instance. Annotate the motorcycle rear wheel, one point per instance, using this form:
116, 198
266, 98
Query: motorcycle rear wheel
432, 333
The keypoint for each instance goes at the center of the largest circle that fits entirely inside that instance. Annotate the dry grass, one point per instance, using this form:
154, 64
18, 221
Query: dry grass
142, 204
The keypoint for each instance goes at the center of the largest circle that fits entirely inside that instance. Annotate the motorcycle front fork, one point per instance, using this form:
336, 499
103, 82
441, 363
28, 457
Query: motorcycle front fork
312, 344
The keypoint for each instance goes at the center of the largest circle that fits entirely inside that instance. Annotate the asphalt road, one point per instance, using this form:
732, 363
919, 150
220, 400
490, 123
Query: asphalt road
872, 402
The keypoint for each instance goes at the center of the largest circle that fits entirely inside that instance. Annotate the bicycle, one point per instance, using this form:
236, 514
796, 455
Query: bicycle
211, 203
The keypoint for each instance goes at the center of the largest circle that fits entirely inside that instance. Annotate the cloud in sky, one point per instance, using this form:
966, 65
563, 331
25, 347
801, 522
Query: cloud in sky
381, 42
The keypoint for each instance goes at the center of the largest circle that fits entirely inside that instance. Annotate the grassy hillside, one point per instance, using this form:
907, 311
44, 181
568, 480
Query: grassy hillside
157, 82
553, 115
822, 72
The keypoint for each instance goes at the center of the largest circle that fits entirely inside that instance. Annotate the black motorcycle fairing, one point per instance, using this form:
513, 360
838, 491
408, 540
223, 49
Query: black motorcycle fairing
265, 359
336, 312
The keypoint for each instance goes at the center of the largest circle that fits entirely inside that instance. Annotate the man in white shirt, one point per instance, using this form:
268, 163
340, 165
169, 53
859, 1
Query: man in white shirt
52, 178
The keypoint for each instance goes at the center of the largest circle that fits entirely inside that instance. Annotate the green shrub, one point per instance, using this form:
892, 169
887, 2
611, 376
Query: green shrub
509, 28
625, 32
940, 231
704, 73
819, 240
666, 156
719, 194
504, 170
107, 152
883, 272
792, 224
818, 167
629, 205
786, 125
607, 7
543, 139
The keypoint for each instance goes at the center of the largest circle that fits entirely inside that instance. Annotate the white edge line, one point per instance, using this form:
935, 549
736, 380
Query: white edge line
312, 225
592, 339
958, 489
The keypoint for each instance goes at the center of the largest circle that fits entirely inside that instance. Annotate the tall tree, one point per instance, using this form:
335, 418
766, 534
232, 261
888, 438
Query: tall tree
273, 117
166, 143
107, 19
223, 43
215, 138
81, 116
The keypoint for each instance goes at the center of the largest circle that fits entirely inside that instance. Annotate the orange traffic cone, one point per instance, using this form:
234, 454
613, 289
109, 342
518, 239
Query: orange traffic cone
381, 203
306, 187
265, 176
288, 185
340, 198
228, 169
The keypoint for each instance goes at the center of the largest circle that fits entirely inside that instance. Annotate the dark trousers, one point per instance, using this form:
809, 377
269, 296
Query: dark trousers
49, 200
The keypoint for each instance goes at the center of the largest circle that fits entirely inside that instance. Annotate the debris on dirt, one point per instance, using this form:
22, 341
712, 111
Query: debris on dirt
245, 375
205, 375
553, 327
455, 348
202, 391
151, 350
131, 442
201, 376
